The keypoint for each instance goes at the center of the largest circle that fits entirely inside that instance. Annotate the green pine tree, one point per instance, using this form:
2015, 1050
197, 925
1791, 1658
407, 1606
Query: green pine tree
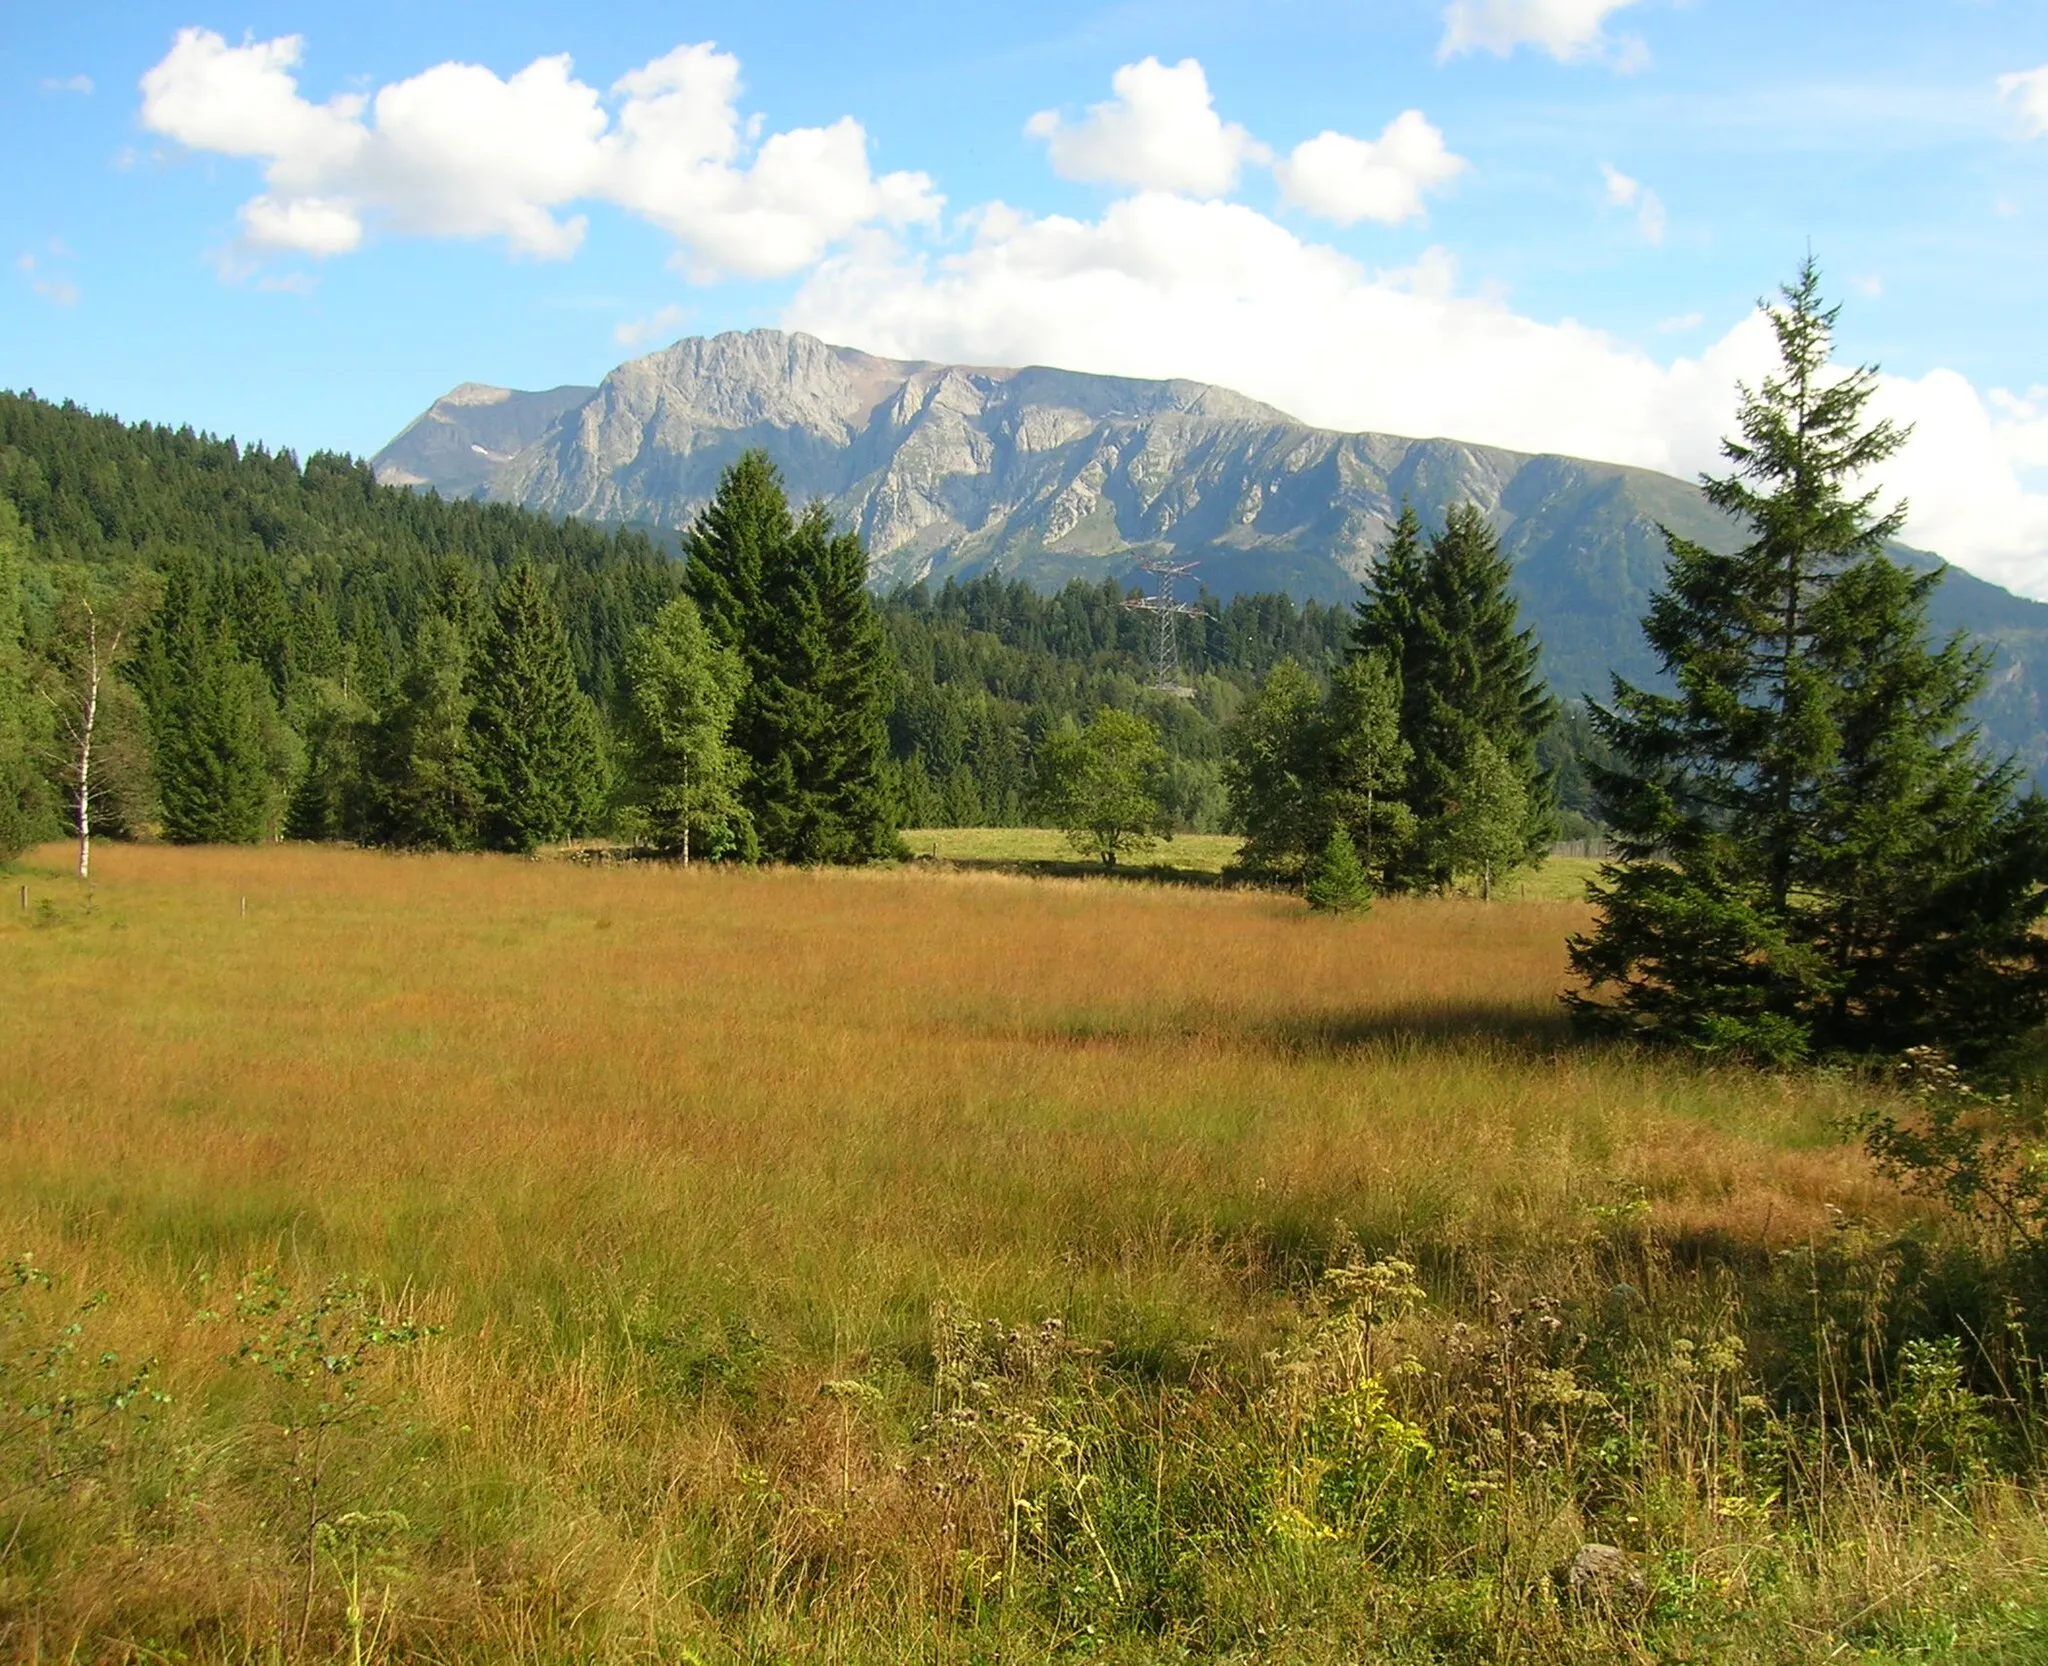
1338, 883
683, 690
1813, 855
1385, 618
856, 679
1449, 627
222, 753
790, 597
28, 808
426, 791
539, 756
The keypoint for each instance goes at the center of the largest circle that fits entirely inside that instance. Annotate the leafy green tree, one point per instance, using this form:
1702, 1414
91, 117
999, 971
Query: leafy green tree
1300, 763
1484, 831
1101, 784
1450, 629
537, 746
682, 692
425, 790
28, 810
1273, 772
1338, 882
1366, 763
1813, 854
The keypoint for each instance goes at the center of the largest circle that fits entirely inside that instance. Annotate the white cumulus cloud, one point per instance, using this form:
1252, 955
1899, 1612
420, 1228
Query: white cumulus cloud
1160, 132
458, 151
1347, 180
1624, 192
2028, 91
1165, 285
1569, 30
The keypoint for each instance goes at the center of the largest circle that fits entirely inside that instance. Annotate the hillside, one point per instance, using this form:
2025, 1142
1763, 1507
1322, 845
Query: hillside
950, 470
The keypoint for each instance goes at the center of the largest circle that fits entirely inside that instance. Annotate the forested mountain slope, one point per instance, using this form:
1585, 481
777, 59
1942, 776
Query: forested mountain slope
322, 577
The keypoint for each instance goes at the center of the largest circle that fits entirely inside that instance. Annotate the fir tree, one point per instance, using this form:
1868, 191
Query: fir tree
538, 753
1813, 855
732, 549
790, 598
1449, 626
220, 750
1386, 618
28, 810
856, 680
1338, 883
682, 692
425, 789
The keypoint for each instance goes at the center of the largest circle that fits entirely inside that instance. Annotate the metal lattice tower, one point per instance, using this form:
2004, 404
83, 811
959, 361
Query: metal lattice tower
1166, 613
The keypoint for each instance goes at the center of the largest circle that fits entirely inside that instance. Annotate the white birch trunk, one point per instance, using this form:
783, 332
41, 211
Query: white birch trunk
89, 711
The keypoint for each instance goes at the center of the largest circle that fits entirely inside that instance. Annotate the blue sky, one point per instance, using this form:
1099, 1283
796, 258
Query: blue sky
1540, 223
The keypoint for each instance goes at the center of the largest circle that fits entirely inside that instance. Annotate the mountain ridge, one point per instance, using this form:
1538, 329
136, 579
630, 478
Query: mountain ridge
949, 470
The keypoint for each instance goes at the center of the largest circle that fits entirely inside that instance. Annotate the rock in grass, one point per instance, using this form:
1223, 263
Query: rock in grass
1605, 1574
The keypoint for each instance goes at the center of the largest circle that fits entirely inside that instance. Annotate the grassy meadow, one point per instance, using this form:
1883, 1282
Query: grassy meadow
464, 1259
1185, 856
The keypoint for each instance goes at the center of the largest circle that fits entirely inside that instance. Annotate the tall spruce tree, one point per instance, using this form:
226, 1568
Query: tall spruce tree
1813, 856
28, 810
1385, 619
790, 597
425, 790
538, 752
1448, 625
222, 759
856, 679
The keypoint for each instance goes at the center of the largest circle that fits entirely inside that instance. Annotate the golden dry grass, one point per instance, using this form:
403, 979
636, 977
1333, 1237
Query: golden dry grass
623, 1131
493, 1077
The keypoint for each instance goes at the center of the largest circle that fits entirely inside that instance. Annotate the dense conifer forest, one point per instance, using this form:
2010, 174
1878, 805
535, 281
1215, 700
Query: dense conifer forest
347, 599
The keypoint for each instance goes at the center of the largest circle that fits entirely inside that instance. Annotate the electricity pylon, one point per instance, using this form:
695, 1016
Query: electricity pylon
1166, 613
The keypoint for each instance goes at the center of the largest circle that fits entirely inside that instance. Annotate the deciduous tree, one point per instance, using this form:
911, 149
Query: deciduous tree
1101, 784
682, 692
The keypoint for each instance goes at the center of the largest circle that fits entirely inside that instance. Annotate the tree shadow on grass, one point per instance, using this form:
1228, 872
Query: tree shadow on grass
1506, 1032
1516, 1029
1030, 867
